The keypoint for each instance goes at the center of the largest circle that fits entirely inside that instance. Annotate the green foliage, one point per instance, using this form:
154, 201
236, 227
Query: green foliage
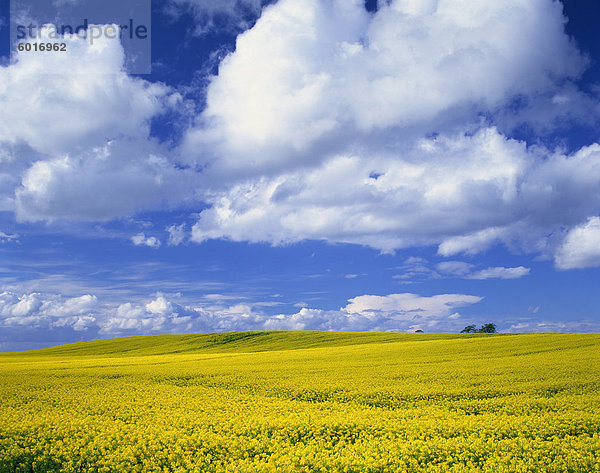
469, 329
351, 403
485, 328
488, 328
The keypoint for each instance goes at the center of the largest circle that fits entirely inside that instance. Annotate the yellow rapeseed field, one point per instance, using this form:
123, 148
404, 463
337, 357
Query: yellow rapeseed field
305, 402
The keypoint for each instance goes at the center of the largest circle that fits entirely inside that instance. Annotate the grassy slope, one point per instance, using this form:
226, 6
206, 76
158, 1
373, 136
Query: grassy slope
232, 342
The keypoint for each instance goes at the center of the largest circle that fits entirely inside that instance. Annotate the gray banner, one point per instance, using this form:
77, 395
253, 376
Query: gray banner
47, 27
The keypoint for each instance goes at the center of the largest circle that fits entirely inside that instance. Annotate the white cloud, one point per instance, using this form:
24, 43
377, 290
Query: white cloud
327, 123
409, 305
333, 124
419, 268
394, 312
439, 188
160, 306
313, 75
57, 102
158, 315
13, 306
500, 273
54, 315
163, 314
43, 311
177, 234
74, 137
70, 306
472, 243
581, 247
119, 178
142, 240
463, 193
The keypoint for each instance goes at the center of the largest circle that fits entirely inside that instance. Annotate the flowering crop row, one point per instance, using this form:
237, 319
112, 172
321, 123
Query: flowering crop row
522, 403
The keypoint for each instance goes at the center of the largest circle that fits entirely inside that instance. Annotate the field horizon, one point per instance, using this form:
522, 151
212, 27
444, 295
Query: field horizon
252, 340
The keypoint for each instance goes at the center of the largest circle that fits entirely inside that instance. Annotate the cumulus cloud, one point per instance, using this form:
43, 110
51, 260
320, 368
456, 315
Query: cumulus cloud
56, 317
142, 240
118, 178
440, 188
163, 314
75, 136
409, 305
158, 315
327, 122
581, 247
464, 193
334, 124
36, 310
80, 97
56, 313
393, 312
311, 75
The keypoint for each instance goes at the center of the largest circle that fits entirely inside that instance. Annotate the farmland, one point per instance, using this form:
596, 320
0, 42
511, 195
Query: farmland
304, 402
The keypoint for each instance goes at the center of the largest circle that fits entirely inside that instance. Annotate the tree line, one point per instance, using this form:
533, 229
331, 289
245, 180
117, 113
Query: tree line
485, 328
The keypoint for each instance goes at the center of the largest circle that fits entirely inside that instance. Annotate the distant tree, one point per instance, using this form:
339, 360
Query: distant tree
485, 328
419, 331
488, 328
469, 329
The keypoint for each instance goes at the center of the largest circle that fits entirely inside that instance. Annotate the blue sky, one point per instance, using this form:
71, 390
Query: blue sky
305, 164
